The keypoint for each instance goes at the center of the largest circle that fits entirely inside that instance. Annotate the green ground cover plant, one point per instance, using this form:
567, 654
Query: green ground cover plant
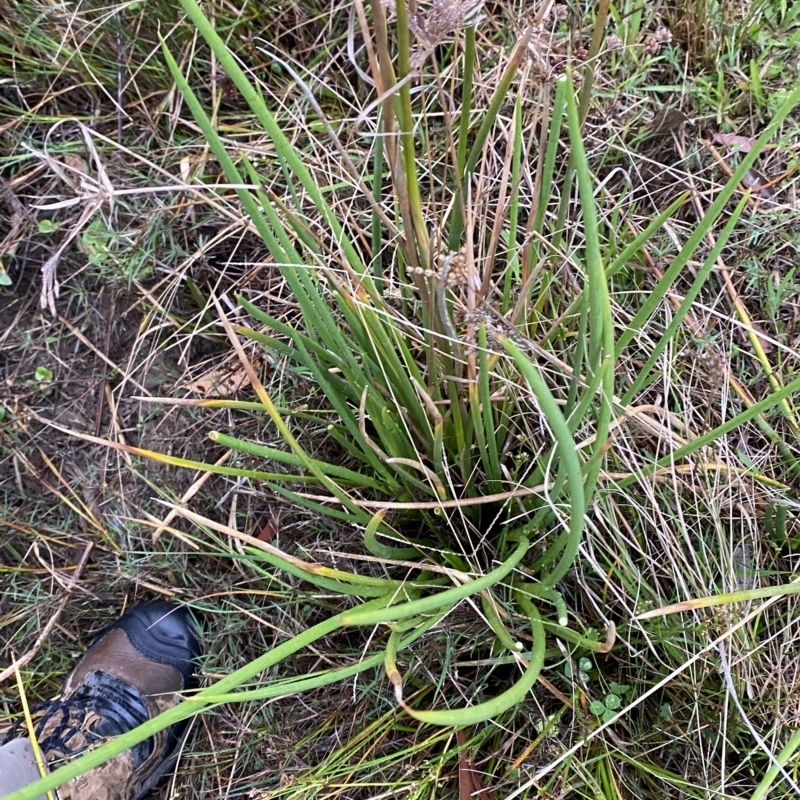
557, 433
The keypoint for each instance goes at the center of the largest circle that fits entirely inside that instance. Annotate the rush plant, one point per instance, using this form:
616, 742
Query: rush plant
471, 404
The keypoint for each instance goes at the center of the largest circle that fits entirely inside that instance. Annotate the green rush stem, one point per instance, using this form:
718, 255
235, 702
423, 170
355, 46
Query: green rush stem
473, 715
440, 600
489, 606
382, 550
601, 323
283, 146
571, 636
551, 595
780, 762
569, 457
408, 151
466, 99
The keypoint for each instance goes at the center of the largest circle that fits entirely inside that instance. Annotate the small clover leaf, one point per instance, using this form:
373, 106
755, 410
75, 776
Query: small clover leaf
597, 707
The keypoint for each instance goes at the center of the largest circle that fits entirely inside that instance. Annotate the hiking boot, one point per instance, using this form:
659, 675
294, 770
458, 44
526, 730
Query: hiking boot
135, 669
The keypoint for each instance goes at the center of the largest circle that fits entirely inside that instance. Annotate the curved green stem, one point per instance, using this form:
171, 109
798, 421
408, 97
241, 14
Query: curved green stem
569, 458
381, 550
488, 604
472, 715
780, 761
263, 451
328, 583
544, 593
581, 641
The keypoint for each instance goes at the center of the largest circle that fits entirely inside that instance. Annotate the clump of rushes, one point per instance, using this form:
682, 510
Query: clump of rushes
476, 429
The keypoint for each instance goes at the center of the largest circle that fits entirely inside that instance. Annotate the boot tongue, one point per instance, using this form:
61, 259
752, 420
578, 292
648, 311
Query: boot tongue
116, 654
102, 706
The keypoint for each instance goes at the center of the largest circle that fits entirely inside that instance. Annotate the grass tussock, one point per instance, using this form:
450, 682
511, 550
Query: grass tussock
442, 357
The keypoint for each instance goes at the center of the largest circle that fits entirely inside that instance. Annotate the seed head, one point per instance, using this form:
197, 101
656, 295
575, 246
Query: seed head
434, 25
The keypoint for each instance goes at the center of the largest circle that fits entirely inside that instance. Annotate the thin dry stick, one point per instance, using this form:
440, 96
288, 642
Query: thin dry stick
190, 493
22, 661
99, 353
462, 503
260, 544
697, 468
116, 428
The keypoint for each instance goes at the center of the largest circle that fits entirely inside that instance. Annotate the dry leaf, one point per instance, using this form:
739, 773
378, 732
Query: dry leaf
269, 530
220, 382
744, 143
763, 339
470, 785
752, 180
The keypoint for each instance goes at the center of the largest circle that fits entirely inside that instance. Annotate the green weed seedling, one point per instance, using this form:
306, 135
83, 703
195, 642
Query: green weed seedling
43, 377
607, 708
113, 254
584, 667
47, 227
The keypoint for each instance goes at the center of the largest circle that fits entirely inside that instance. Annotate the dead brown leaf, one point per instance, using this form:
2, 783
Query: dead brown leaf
744, 143
221, 382
470, 785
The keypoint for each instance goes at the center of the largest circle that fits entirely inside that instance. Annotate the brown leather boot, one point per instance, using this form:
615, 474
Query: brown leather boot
136, 669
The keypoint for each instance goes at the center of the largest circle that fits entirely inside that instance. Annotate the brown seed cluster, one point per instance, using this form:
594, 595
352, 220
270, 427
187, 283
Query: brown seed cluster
496, 325
457, 274
655, 42
452, 269
714, 365
436, 24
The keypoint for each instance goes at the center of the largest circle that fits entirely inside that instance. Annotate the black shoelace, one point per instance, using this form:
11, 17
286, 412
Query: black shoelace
118, 708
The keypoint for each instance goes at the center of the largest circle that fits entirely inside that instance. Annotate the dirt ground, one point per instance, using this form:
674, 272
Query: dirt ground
77, 516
